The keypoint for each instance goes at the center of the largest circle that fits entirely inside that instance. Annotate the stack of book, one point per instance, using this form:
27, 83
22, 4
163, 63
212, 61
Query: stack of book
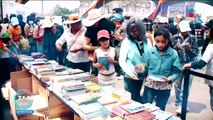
133, 107
72, 88
93, 110
132, 111
106, 100
24, 58
45, 71
85, 98
75, 86
150, 107
161, 115
59, 68
118, 111
81, 76
75, 71
144, 115
61, 78
37, 55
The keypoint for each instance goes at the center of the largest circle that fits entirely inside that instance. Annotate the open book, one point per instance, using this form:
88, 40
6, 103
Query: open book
155, 77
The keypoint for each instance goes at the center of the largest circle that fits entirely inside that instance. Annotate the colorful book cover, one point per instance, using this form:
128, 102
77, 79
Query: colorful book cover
161, 115
145, 115
133, 107
105, 63
117, 110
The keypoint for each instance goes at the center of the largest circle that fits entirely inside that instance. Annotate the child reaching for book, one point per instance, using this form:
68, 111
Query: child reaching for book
105, 57
162, 68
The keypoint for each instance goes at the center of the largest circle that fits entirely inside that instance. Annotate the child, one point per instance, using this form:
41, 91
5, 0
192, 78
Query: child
105, 57
162, 68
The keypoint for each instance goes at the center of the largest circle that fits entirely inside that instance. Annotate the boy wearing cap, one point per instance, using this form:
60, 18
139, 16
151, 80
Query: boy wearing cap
105, 57
15, 31
186, 46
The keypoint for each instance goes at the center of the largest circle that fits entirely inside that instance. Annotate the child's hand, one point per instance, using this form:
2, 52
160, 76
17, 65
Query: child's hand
188, 47
98, 65
167, 79
133, 76
110, 60
139, 68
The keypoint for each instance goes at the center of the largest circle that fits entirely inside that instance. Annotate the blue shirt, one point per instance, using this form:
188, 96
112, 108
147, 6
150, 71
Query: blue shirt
167, 64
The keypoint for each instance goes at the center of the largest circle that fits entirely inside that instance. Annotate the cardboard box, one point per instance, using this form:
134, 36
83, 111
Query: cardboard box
18, 80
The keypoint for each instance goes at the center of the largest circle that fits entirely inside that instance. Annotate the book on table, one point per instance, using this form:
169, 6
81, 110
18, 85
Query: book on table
117, 110
133, 107
85, 98
93, 110
161, 115
106, 100
145, 115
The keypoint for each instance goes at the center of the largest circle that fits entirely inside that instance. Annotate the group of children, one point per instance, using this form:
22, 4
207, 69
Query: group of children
160, 61
159, 66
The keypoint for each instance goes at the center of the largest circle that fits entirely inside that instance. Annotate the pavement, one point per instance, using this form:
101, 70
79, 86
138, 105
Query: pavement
198, 101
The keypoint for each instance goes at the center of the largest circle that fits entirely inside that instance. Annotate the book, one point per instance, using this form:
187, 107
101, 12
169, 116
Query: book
74, 87
105, 63
93, 110
93, 87
46, 71
106, 100
158, 78
81, 76
117, 110
85, 98
145, 115
75, 71
150, 107
118, 94
59, 68
133, 107
89, 108
161, 115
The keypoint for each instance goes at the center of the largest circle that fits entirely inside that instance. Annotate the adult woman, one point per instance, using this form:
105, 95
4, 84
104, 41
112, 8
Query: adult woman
132, 52
207, 59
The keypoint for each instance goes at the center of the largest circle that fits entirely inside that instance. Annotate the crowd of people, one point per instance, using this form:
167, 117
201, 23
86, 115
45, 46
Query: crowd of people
146, 53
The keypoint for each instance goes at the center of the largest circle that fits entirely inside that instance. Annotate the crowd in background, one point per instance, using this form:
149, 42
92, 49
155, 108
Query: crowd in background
136, 49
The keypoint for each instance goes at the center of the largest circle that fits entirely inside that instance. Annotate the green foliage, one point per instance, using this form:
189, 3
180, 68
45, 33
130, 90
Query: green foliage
60, 11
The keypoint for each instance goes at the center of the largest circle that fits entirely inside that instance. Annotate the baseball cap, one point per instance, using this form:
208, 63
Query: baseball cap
103, 33
14, 21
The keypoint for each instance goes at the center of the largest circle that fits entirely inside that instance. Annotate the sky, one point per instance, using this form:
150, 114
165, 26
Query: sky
48, 5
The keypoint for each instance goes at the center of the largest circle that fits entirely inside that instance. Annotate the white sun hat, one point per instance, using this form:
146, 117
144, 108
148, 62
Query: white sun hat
184, 26
94, 16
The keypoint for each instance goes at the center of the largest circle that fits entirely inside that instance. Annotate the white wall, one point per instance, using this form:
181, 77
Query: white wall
10, 7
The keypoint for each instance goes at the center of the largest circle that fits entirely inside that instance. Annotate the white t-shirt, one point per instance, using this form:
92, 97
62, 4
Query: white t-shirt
208, 58
74, 41
109, 69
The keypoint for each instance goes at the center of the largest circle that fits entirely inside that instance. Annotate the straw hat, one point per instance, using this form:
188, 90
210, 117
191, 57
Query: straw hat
73, 18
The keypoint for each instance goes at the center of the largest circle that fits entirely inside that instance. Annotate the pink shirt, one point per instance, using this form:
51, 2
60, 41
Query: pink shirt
38, 34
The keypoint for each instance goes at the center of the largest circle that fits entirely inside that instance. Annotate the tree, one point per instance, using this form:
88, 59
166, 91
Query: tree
60, 11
